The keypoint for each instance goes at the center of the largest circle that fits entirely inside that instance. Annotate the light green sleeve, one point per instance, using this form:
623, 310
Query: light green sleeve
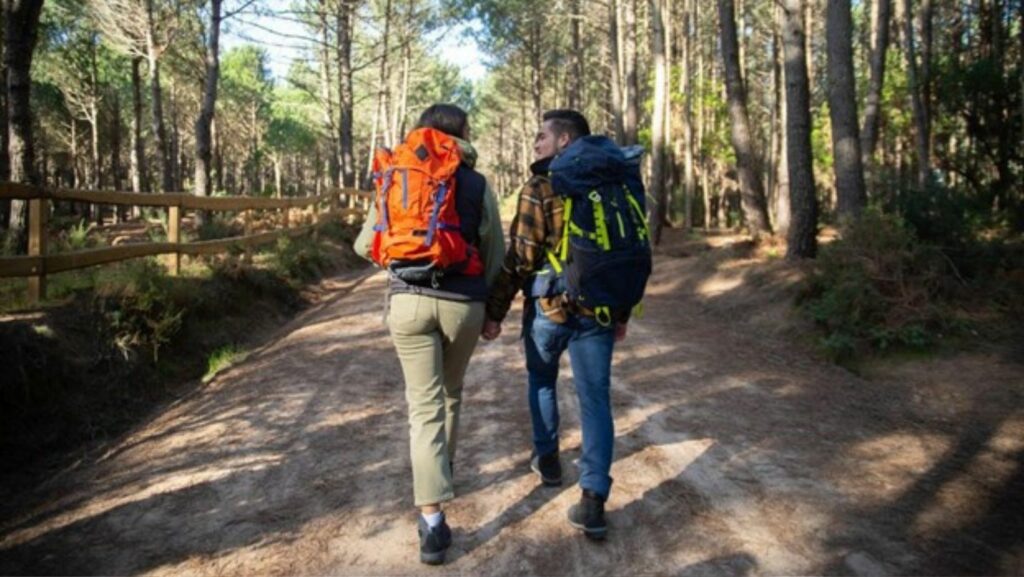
492, 237
365, 238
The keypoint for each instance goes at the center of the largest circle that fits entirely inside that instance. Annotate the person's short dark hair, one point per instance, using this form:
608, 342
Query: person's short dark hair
447, 118
568, 121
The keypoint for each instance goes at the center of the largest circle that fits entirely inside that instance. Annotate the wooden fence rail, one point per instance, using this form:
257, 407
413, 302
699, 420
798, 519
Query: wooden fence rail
37, 263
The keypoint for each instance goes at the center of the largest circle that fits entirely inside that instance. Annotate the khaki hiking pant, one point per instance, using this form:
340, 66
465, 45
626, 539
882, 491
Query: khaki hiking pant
434, 339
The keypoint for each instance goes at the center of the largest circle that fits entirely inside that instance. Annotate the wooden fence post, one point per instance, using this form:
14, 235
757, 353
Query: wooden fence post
174, 236
38, 209
247, 220
316, 221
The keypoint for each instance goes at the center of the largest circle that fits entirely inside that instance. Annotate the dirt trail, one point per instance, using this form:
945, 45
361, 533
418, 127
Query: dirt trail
734, 456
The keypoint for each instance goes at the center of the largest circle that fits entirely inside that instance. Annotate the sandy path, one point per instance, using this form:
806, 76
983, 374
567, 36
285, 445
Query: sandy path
733, 457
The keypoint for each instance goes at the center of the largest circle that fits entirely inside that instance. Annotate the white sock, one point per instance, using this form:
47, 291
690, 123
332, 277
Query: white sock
433, 519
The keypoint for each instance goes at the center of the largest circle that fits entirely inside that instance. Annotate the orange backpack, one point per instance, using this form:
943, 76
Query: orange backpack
417, 234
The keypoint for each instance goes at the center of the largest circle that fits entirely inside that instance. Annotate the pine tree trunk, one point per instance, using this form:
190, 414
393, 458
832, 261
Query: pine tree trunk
116, 170
204, 122
5, 159
156, 97
615, 65
657, 183
536, 68
218, 157
343, 31
631, 113
702, 121
325, 95
804, 206
97, 164
686, 86
174, 146
873, 103
842, 99
22, 20
138, 168
576, 76
921, 135
380, 115
925, 24
751, 186
401, 108
782, 200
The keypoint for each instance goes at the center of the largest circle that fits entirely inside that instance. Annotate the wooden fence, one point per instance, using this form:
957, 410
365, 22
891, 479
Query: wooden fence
37, 264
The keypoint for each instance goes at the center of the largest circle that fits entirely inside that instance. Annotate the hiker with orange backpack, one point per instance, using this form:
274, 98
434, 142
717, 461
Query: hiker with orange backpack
580, 252
436, 229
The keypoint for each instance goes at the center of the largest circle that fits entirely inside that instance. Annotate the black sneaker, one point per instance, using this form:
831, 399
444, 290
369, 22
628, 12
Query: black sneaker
588, 516
434, 542
548, 468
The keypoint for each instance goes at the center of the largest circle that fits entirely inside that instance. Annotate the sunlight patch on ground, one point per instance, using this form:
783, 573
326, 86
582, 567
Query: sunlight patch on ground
719, 284
173, 481
887, 465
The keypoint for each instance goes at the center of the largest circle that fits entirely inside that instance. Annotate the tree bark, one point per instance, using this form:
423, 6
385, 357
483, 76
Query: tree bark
686, 87
658, 189
921, 134
802, 240
156, 96
380, 112
94, 117
138, 167
631, 113
204, 122
925, 24
873, 103
5, 159
576, 76
343, 32
615, 64
325, 96
20, 34
702, 122
751, 186
782, 199
536, 67
842, 99
116, 172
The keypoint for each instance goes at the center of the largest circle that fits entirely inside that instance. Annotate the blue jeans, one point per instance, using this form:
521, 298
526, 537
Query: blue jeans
590, 352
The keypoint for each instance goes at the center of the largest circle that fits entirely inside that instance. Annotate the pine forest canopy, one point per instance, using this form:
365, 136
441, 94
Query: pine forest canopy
775, 116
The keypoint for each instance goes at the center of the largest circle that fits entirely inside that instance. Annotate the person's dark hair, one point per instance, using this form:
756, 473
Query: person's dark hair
447, 118
567, 121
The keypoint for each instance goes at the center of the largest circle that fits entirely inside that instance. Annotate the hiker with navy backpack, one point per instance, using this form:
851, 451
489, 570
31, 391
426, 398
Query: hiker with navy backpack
580, 252
436, 229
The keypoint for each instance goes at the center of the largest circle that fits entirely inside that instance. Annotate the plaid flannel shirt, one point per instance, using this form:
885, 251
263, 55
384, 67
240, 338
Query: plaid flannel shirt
536, 228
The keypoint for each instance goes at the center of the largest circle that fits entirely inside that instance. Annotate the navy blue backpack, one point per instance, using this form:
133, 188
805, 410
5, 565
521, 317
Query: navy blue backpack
604, 259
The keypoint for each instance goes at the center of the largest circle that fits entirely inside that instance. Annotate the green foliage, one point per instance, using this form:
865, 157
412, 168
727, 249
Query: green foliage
299, 259
76, 237
288, 134
138, 304
880, 288
245, 76
339, 232
221, 359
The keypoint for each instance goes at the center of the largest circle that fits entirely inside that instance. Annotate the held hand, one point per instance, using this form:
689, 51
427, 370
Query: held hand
620, 332
491, 330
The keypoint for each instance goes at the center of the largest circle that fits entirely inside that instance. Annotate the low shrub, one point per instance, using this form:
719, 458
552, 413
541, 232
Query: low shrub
879, 288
